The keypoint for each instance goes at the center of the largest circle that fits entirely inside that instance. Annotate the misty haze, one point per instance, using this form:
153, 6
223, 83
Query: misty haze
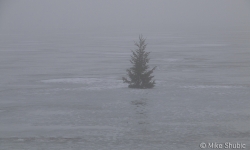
62, 64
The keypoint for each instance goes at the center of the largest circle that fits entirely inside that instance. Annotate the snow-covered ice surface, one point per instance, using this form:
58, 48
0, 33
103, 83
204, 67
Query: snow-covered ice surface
64, 91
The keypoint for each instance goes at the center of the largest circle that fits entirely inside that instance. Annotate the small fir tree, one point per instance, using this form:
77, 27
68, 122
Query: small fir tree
140, 76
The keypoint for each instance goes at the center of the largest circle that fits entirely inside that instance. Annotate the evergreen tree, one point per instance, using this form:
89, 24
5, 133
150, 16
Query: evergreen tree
140, 76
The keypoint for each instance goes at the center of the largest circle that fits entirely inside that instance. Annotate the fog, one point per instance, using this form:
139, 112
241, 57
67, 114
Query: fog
41, 16
62, 63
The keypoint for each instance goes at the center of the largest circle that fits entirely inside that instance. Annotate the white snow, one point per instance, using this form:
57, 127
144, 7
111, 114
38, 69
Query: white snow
211, 86
89, 83
66, 92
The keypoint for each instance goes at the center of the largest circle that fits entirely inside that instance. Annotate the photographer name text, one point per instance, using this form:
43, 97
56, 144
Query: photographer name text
226, 145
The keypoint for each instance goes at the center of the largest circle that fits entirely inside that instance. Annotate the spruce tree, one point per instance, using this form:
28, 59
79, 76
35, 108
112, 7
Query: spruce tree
139, 75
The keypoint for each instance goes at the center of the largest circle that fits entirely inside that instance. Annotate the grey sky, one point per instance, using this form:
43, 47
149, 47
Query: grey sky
35, 16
